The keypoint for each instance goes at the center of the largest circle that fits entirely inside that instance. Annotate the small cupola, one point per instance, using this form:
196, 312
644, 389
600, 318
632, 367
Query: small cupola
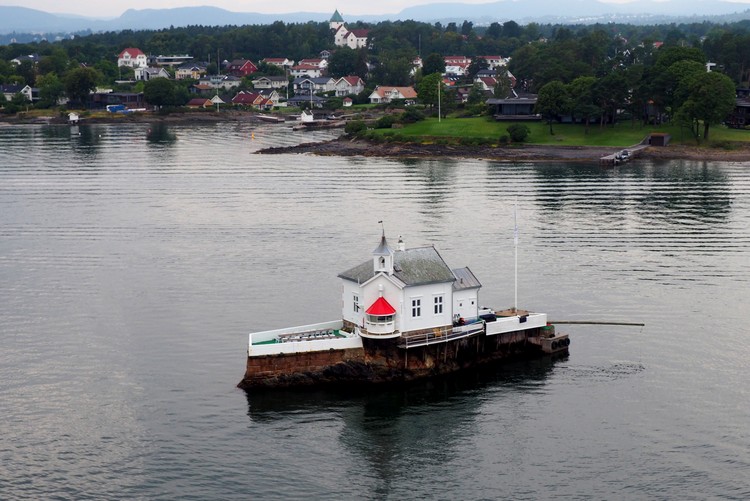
382, 257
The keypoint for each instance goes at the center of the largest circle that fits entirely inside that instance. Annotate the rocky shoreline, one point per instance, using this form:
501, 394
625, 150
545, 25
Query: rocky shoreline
344, 146
517, 153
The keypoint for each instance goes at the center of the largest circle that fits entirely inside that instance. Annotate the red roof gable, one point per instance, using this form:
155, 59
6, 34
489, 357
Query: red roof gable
132, 51
380, 308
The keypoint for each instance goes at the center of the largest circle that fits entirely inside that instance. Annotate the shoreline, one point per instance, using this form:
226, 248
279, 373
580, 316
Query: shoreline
519, 153
343, 146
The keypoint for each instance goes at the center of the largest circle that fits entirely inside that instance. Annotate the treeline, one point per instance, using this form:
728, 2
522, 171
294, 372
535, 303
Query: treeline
632, 61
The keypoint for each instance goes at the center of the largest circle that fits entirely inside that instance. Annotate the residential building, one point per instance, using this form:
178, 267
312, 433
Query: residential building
9, 91
147, 73
281, 62
32, 58
132, 58
275, 82
384, 94
349, 85
304, 86
190, 71
200, 102
169, 61
241, 67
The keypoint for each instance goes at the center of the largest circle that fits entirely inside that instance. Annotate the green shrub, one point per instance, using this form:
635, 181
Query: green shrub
504, 140
518, 132
411, 116
355, 127
385, 122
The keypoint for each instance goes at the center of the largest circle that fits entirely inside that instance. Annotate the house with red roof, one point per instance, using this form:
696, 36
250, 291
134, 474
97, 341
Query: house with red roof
132, 58
253, 99
349, 85
384, 94
241, 67
200, 102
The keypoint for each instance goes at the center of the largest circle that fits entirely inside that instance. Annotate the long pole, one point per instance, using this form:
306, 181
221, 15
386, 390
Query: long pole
440, 83
595, 322
515, 257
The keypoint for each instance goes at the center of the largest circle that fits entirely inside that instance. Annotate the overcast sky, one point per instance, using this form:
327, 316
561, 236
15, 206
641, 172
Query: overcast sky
113, 8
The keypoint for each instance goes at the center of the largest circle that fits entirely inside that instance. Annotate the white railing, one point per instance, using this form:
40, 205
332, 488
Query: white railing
427, 338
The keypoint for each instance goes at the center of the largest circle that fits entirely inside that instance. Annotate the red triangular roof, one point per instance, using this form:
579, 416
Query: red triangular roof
381, 307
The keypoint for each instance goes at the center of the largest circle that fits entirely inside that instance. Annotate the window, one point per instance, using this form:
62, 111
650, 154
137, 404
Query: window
438, 305
356, 303
416, 308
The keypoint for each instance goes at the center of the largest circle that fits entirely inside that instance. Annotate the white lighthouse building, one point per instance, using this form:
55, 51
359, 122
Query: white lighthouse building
407, 291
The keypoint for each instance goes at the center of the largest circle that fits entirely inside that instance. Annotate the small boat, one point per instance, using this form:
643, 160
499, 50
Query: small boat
270, 118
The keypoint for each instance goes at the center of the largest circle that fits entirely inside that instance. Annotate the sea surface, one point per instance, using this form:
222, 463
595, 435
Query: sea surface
135, 259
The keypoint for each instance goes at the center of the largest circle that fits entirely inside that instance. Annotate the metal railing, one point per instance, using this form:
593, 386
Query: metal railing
427, 338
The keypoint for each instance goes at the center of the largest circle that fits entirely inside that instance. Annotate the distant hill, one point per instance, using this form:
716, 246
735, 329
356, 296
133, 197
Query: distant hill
24, 20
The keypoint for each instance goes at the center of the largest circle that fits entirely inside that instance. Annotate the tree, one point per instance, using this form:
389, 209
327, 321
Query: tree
581, 92
476, 94
27, 70
711, 99
79, 83
160, 92
51, 89
343, 62
427, 89
434, 63
552, 101
503, 87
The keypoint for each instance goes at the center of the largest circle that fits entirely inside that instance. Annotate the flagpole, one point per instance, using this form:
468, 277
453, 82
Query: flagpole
515, 257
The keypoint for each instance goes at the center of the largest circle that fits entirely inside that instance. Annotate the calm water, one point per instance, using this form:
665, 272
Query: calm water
133, 262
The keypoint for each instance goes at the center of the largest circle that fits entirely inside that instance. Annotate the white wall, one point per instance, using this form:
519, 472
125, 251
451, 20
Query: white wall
428, 319
462, 303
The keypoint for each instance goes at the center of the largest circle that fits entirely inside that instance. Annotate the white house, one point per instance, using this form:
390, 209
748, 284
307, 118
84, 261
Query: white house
494, 62
147, 74
407, 291
11, 90
133, 58
349, 85
281, 62
383, 94
304, 86
270, 82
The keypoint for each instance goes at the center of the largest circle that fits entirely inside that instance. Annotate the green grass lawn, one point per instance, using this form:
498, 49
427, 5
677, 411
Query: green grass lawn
620, 135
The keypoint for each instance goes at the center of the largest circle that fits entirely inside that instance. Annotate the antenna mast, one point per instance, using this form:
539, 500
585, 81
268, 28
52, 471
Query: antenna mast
515, 257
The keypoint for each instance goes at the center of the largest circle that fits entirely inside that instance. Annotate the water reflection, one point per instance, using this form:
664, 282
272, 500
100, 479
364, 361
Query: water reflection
160, 134
388, 401
694, 190
437, 180
406, 427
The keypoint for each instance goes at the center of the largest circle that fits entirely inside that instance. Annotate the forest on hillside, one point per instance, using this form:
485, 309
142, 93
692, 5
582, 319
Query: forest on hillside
604, 66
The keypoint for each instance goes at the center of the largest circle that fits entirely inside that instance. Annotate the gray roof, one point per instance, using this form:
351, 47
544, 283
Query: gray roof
419, 266
383, 249
465, 279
